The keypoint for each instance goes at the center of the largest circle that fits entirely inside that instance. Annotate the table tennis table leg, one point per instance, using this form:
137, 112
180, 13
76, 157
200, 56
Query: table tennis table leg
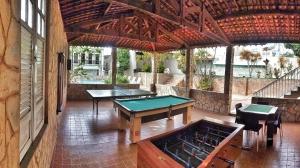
97, 107
93, 104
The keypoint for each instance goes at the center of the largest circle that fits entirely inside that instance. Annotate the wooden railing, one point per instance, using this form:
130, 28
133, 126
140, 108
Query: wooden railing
281, 86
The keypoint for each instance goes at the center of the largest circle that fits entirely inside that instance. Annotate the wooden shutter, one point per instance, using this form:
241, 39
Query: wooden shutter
26, 90
38, 87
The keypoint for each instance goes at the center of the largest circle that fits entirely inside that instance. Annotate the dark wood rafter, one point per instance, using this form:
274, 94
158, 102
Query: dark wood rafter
163, 25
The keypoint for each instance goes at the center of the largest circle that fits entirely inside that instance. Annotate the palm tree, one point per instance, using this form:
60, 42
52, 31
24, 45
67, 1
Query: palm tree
251, 59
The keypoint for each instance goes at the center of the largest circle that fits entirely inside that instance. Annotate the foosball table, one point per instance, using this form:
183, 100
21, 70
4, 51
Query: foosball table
207, 143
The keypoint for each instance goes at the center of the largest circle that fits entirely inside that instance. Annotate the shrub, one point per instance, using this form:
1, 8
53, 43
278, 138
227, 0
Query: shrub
121, 79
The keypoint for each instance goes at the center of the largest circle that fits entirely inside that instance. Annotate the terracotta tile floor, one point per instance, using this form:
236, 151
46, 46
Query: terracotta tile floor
86, 140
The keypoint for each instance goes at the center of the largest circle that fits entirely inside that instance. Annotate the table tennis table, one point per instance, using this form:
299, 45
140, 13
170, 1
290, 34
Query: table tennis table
117, 93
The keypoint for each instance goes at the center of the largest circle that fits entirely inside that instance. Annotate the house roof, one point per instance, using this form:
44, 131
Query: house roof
162, 25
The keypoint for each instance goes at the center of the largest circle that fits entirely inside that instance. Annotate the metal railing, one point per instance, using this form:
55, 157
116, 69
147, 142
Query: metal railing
281, 86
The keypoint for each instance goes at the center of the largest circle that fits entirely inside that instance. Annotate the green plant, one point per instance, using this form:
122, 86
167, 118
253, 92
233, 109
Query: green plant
120, 79
258, 73
161, 67
289, 67
206, 83
143, 62
78, 72
146, 68
296, 49
123, 58
180, 58
277, 73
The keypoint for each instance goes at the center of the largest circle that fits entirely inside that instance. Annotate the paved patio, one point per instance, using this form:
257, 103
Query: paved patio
86, 140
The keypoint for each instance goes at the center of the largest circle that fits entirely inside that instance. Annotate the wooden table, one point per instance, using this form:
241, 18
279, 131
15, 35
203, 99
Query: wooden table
263, 112
142, 110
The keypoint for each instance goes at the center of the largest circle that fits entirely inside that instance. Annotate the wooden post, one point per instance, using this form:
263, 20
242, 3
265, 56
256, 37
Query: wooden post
154, 71
135, 129
189, 71
114, 66
228, 75
186, 118
122, 121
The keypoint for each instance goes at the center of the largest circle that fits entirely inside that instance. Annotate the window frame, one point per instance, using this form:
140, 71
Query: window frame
35, 137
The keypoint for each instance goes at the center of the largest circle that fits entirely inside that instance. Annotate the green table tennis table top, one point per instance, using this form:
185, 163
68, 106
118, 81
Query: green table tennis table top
143, 104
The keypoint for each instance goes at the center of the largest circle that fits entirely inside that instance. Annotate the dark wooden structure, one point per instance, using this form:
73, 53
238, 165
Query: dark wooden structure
162, 25
156, 152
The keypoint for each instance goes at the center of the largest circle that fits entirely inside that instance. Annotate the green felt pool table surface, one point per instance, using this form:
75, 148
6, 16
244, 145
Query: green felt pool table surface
145, 104
259, 108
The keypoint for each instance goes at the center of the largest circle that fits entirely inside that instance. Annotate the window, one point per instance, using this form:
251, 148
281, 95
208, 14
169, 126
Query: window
27, 12
41, 18
32, 75
94, 67
75, 58
90, 59
82, 58
97, 59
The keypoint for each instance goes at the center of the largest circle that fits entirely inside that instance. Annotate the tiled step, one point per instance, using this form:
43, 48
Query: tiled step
293, 94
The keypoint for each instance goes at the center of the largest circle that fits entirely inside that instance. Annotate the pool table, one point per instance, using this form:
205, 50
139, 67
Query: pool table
141, 110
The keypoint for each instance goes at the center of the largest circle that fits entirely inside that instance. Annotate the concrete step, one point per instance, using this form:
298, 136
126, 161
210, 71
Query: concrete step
293, 94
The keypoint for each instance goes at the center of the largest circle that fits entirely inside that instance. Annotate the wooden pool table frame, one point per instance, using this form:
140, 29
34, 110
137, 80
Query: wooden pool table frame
135, 118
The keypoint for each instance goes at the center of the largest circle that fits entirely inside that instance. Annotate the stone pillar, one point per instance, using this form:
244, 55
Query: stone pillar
228, 75
113, 65
154, 59
189, 71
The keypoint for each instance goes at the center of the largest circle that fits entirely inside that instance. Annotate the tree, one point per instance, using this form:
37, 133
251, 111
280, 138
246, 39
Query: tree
143, 62
180, 58
282, 63
251, 59
78, 73
203, 58
295, 48
123, 58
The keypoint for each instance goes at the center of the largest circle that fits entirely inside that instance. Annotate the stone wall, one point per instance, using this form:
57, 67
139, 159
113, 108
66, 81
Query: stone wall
292, 113
204, 100
211, 101
238, 85
78, 91
170, 90
162, 78
10, 57
57, 42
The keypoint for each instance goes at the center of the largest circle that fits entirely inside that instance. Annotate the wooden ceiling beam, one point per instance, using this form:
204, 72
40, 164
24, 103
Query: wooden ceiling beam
220, 35
173, 37
151, 10
81, 32
259, 12
101, 19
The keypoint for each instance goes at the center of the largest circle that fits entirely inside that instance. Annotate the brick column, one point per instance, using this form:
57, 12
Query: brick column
189, 71
114, 66
228, 76
154, 71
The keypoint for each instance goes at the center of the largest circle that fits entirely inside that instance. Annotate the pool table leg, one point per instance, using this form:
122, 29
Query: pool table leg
135, 129
122, 122
187, 115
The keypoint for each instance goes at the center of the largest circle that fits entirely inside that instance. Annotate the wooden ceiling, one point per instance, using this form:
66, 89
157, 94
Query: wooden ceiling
162, 25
